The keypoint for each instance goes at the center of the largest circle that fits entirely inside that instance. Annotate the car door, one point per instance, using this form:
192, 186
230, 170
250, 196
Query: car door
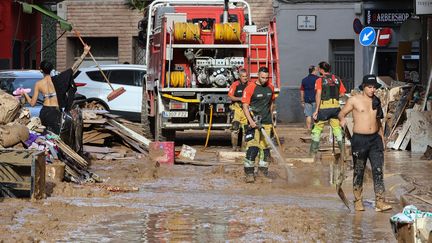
131, 81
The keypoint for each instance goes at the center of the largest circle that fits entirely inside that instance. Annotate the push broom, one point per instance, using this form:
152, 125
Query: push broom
115, 92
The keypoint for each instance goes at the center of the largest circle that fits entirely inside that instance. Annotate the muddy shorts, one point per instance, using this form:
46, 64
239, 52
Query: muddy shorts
50, 117
309, 109
364, 147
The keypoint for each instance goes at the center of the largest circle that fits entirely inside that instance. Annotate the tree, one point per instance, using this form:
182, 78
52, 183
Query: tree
140, 5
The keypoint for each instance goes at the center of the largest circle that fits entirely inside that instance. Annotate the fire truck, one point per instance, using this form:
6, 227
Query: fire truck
194, 50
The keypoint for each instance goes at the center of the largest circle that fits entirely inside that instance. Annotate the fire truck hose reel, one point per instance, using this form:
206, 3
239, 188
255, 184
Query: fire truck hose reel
186, 32
227, 32
177, 78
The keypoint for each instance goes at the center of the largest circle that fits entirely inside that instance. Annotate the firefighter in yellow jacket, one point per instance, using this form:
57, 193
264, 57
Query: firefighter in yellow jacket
235, 94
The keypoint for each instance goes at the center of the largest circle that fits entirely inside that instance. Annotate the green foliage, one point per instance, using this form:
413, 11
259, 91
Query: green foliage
138, 4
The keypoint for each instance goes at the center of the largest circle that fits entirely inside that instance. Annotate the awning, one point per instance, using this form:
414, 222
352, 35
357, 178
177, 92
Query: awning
28, 8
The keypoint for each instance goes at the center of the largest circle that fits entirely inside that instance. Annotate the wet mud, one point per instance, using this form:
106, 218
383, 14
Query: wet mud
198, 203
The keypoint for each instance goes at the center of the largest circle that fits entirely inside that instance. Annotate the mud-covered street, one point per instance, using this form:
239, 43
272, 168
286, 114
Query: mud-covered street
203, 203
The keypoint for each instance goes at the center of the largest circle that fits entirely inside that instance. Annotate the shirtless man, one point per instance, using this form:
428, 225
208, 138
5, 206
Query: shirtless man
367, 141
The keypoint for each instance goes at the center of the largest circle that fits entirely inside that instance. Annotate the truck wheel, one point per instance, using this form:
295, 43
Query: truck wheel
159, 133
145, 119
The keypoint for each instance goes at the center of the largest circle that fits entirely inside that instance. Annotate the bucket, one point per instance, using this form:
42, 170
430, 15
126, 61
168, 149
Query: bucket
162, 152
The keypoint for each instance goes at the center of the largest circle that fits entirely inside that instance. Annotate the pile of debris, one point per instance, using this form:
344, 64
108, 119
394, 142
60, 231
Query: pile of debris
406, 118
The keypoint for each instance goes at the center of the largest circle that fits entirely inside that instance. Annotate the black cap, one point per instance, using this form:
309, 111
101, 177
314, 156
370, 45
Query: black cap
370, 79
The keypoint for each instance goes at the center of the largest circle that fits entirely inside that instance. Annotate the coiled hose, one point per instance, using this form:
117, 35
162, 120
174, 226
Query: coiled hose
228, 32
186, 32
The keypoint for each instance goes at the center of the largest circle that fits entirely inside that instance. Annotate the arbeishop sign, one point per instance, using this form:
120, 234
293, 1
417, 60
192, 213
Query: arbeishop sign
386, 17
423, 7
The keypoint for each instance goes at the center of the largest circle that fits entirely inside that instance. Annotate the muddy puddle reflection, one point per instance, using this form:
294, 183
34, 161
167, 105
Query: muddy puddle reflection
186, 225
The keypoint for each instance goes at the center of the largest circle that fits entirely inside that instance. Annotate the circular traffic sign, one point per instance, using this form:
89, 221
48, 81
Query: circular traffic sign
357, 25
384, 36
367, 36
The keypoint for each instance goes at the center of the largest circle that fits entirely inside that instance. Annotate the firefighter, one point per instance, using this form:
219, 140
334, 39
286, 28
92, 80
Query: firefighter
258, 104
329, 88
239, 121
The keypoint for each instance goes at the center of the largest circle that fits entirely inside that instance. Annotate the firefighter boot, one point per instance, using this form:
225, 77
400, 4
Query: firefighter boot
380, 205
264, 172
341, 146
234, 140
314, 148
250, 177
358, 199
234, 135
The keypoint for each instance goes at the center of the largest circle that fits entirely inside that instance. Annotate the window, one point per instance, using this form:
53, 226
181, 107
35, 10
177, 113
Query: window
97, 76
125, 77
139, 77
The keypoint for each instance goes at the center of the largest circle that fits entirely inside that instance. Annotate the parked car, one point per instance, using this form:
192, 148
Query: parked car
92, 84
13, 79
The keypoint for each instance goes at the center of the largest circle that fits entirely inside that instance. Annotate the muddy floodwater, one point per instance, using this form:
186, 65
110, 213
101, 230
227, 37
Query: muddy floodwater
190, 203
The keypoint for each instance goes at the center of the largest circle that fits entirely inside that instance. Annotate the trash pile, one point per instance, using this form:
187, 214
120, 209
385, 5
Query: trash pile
412, 225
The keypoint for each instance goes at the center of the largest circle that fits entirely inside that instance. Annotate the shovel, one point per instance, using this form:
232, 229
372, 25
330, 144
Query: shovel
339, 161
279, 158
115, 92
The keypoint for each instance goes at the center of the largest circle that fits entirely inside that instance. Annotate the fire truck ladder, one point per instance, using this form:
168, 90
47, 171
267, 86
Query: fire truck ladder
255, 49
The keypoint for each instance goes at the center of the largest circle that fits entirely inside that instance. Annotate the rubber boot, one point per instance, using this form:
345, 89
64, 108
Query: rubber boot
314, 148
234, 140
380, 205
264, 172
250, 177
358, 199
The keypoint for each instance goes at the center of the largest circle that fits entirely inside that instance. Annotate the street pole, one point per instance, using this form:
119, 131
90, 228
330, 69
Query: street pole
375, 50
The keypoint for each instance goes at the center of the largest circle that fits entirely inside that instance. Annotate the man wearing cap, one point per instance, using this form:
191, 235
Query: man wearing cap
328, 88
367, 141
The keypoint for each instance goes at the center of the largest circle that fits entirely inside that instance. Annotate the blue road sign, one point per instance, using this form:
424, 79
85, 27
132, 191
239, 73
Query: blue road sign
367, 36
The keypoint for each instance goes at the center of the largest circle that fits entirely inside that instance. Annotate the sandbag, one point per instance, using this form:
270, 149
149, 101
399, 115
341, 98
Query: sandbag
12, 134
9, 108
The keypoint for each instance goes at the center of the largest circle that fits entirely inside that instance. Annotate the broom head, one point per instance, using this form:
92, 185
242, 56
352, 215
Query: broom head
115, 93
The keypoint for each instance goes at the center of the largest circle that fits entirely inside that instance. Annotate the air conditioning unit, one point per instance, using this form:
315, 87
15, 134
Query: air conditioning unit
62, 10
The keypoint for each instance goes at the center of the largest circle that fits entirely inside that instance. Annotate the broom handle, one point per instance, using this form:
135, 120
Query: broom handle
94, 60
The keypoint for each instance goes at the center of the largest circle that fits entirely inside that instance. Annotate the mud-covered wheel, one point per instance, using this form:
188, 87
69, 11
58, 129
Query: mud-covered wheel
159, 133
145, 119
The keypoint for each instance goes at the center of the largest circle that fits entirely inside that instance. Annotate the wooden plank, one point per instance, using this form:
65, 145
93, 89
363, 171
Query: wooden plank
403, 102
96, 121
421, 132
406, 141
130, 133
130, 141
72, 154
401, 135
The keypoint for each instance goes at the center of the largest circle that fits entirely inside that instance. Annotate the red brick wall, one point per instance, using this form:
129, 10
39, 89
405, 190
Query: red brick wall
109, 18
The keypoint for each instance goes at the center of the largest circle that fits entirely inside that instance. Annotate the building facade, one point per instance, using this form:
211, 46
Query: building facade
20, 36
311, 31
108, 26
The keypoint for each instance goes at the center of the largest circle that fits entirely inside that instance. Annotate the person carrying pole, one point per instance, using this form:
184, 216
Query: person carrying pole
367, 141
235, 94
258, 104
328, 88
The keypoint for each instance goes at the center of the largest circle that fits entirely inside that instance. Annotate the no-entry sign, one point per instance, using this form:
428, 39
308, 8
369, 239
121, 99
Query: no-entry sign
384, 37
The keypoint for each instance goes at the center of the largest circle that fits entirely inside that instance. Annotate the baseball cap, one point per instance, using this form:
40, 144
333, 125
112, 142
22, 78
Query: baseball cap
370, 79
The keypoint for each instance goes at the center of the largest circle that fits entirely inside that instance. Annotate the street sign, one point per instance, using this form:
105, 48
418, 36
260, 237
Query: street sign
357, 25
384, 36
367, 36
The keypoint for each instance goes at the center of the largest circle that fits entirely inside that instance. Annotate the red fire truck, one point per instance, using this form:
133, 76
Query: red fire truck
194, 49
